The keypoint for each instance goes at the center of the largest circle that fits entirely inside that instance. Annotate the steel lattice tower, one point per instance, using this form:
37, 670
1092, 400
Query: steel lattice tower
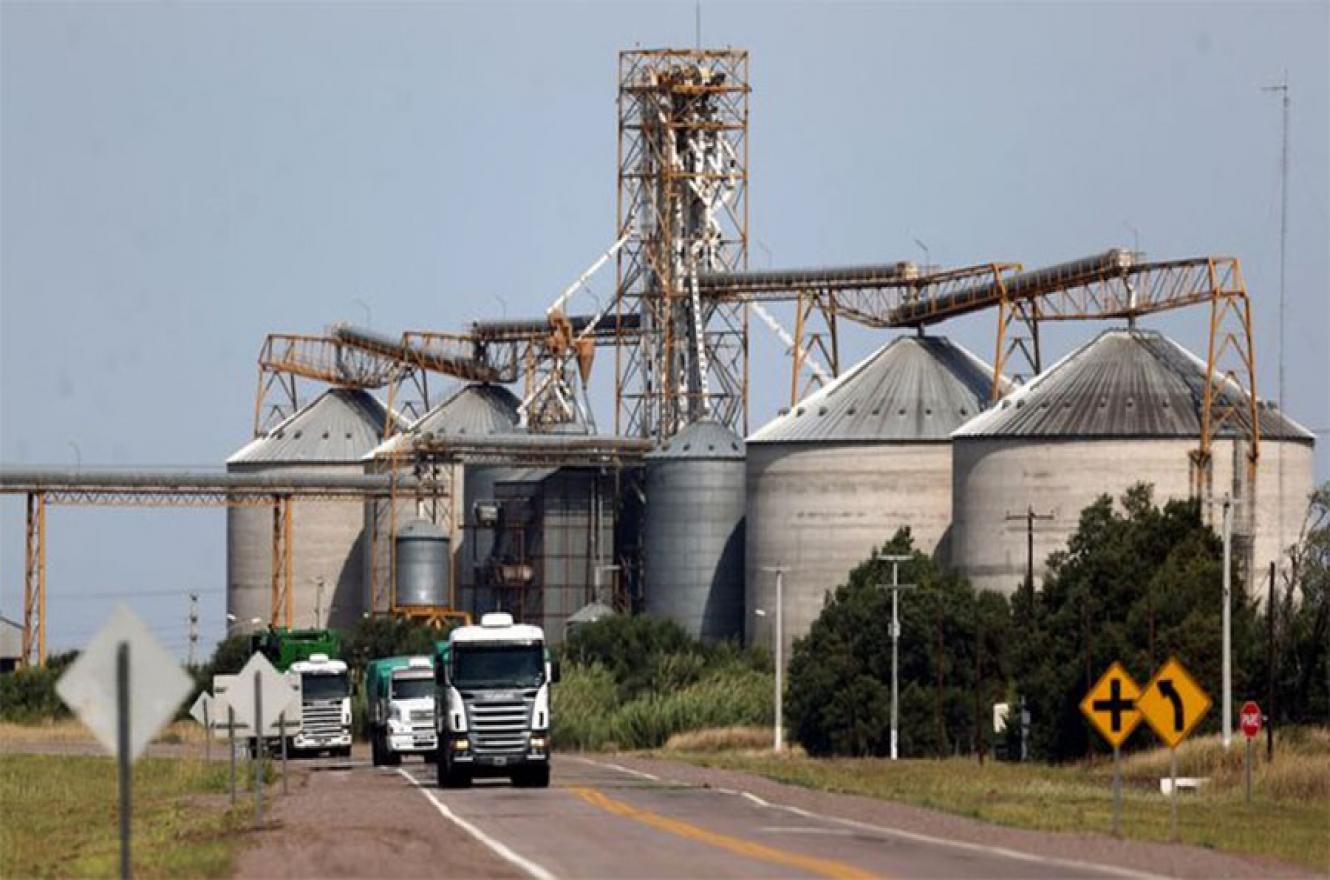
683, 203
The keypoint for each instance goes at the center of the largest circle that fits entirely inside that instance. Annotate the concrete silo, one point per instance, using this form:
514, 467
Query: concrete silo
1123, 408
328, 437
834, 478
694, 531
473, 413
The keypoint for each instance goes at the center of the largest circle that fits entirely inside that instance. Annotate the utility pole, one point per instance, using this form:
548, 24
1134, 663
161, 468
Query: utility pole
895, 586
193, 626
779, 736
1030, 517
1270, 668
1227, 700
1282, 89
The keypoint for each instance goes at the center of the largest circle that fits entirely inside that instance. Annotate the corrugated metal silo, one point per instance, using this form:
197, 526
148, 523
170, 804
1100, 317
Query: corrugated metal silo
422, 565
834, 478
475, 412
694, 531
1123, 408
328, 437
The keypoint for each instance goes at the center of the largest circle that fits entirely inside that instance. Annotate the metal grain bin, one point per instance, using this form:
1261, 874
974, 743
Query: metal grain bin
327, 437
422, 565
1123, 408
694, 531
834, 478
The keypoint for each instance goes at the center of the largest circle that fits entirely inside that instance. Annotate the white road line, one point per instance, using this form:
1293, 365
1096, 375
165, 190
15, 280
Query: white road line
961, 844
915, 836
495, 846
622, 769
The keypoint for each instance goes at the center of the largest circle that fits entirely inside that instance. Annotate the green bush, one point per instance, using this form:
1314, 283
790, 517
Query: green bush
633, 682
29, 694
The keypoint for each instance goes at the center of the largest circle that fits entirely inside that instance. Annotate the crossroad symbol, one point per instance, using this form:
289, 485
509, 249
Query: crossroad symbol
1173, 703
1111, 705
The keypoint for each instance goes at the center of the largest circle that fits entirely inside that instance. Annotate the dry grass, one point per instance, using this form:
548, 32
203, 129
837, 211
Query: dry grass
71, 730
1301, 770
723, 739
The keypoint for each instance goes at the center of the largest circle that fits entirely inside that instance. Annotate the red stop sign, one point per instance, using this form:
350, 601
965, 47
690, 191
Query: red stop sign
1250, 719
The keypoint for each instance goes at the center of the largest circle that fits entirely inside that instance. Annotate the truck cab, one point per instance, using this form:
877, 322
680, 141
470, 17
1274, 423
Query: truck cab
325, 705
493, 703
399, 697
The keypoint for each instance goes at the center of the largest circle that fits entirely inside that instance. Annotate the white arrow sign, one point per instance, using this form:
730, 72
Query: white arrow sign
157, 684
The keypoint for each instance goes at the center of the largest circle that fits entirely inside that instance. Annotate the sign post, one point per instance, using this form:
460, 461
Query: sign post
231, 735
124, 686
1250, 722
1111, 708
122, 750
260, 695
1172, 704
202, 711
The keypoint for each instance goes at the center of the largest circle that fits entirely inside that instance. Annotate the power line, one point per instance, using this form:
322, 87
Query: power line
135, 594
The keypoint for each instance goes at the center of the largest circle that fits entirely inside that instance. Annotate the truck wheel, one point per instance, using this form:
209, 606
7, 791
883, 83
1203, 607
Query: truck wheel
453, 777
375, 753
391, 758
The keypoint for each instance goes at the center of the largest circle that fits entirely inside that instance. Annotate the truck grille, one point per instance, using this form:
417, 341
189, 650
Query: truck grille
321, 718
419, 716
499, 726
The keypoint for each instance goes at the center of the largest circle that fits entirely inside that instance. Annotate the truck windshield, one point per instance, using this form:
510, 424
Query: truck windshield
324, 687
412, 688
498, 666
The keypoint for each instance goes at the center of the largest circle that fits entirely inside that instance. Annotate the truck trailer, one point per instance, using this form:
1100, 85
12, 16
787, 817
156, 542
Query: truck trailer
399, 701
308, 657
493, 703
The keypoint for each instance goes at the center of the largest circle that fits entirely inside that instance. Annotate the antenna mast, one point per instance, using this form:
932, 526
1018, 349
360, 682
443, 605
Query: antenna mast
1282, 88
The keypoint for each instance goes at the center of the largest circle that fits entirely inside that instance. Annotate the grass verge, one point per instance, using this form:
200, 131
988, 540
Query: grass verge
60, 817
1287, 819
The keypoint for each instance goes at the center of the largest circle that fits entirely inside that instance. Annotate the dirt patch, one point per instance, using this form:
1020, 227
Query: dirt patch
347, 819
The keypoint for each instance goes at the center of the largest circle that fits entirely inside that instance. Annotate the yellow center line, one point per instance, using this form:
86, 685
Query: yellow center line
821, 867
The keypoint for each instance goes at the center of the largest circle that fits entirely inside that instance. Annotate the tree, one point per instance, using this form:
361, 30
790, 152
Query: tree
952, 655
1137, 586
1302, 622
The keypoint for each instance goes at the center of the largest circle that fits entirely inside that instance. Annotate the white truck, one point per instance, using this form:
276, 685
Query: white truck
399, 701
494, 703
325, 705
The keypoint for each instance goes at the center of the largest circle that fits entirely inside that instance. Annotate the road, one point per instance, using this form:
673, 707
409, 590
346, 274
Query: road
625, 817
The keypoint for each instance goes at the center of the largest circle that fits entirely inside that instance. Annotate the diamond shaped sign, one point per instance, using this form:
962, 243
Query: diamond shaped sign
259, 676
157, 684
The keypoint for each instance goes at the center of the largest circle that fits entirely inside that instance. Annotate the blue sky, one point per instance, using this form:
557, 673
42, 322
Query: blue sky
178, 180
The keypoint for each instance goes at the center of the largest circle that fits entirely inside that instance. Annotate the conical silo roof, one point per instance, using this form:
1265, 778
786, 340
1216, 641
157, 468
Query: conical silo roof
476, 410
1124, 383
700, 441
913, 389
339, 426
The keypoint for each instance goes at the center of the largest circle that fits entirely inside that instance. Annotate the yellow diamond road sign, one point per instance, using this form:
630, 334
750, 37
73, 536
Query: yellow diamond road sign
1173, 703
1111, 705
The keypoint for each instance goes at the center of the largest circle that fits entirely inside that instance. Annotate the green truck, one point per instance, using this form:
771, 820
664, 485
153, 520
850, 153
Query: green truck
399, 702
309, 658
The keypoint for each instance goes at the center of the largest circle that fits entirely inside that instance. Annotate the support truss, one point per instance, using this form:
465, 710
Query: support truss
683, 212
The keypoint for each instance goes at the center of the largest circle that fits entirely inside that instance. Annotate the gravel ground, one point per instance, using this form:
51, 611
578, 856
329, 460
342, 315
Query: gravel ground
347, 819
1156, 858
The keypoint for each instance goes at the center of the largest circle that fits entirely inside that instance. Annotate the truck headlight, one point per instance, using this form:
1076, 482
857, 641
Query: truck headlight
538, 744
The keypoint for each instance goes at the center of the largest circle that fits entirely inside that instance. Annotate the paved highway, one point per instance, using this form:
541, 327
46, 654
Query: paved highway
601, 819
638, 818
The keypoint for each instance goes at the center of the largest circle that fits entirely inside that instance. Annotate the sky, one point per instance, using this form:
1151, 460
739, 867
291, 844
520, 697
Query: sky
178, 180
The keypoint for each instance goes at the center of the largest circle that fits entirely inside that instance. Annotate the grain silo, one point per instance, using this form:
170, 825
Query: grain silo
473, 413
694, 531
836, 476
328, 438
1123, 408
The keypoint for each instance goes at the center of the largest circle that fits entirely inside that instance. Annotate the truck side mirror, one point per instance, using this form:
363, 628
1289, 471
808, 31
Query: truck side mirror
555, 674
